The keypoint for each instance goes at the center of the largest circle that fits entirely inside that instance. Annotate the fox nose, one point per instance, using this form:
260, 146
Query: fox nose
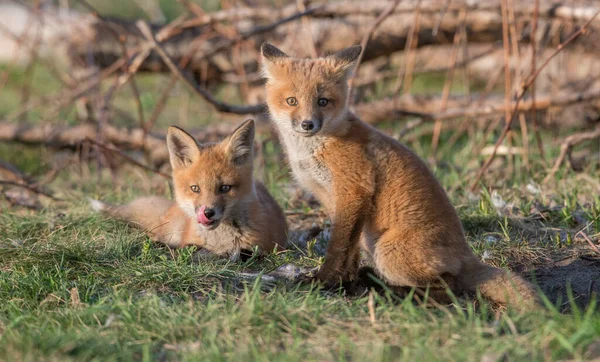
209, 213
307, 125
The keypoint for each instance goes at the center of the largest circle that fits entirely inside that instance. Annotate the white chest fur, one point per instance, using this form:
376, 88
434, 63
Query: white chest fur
224, 240
309, 171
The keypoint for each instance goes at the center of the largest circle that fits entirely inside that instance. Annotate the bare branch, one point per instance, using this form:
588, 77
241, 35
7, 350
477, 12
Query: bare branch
567, 146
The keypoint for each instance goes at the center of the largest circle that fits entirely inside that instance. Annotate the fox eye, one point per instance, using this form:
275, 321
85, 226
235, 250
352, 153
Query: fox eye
292, 101
195, 189
322, 102
224, 189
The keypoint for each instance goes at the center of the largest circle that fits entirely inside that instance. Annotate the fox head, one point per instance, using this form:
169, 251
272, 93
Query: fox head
307, 96
211, 180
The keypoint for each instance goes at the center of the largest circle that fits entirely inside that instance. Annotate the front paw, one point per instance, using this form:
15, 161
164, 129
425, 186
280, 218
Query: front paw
331, 277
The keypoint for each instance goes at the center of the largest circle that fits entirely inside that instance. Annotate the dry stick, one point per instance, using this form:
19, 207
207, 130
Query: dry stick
260, 30
162, 101
536, 126
524, 88
438, 22
567, 146
365, 40
126, 69
517, 55
488, 88
437, 128
588, 239
384, 75
219, 106
30, 188
127, 158
507, 76
467, 79
411, 57
407, 48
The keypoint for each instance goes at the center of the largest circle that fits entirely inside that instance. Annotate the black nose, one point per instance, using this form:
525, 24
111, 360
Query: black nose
307, 125
209, 213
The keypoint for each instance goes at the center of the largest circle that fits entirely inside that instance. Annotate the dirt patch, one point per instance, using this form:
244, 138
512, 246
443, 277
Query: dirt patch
580, 273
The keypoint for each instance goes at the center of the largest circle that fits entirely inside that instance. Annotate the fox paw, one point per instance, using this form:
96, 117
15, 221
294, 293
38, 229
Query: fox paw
332, 278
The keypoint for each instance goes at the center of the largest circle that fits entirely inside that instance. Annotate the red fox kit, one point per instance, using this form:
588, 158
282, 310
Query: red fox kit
378, 193
218, 206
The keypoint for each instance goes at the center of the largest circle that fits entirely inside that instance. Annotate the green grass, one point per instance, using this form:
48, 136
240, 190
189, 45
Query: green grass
78, 286
136, 300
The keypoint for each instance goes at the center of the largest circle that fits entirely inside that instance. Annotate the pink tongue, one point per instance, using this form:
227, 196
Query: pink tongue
202, 219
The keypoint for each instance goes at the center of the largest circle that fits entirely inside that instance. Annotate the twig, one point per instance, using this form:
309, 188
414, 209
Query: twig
536, 126
589, 241
219, 106
567, 146
403, 70
437, 128
126, 157
524, 88
365, 40
31, 188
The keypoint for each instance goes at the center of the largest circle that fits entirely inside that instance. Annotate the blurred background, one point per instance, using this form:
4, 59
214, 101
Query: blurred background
493, 93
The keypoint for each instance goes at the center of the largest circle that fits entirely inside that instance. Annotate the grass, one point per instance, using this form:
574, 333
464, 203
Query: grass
77, 286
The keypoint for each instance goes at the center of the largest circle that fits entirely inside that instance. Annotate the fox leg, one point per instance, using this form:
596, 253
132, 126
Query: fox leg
343, 253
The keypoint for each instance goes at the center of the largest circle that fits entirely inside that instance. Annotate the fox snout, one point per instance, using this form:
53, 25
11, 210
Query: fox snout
209, 216
309, 127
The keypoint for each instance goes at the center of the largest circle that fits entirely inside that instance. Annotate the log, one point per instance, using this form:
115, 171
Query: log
61, 137
458, 107
334, 25
424, 107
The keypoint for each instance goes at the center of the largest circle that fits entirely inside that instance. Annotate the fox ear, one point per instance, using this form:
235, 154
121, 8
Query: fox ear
241, 143
344, 59
270, 55
183, 149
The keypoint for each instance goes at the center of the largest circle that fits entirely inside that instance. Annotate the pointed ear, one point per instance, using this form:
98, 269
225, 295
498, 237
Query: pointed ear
183, 149
241, 143
344, 59
270, 56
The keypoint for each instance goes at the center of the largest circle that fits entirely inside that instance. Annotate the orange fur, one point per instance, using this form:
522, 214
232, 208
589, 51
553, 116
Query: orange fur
379, 194
245, 216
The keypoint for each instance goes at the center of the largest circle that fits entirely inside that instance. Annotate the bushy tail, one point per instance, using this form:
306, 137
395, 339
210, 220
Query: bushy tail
144, 212
498, 285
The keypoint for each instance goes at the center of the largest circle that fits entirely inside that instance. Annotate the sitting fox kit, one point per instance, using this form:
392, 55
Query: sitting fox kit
379, 194
218, 207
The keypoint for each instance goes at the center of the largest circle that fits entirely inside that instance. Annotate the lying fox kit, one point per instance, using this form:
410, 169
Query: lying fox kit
218, 206
378, 193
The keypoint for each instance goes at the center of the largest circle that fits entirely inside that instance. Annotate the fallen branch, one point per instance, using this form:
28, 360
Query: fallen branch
336, 25
567, 146
426, 107
423, 107
31, 188
384, 14
127, 158
122, 138
219, 106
